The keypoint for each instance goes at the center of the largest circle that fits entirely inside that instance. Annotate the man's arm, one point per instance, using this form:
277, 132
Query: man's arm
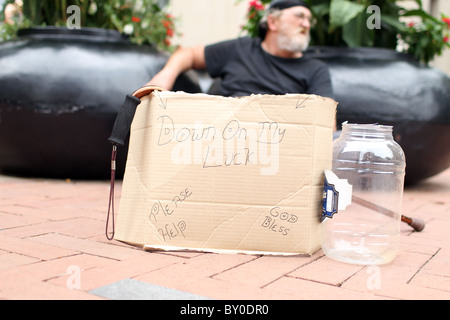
320, 82
182, 60
321, 85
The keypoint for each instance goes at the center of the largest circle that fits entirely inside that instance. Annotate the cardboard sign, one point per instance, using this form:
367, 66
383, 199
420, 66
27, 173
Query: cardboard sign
216, 174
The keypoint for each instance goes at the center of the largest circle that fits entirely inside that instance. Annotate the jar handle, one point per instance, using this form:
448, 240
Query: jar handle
330, 201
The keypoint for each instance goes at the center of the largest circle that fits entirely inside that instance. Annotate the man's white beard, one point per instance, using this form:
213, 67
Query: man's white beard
293, 43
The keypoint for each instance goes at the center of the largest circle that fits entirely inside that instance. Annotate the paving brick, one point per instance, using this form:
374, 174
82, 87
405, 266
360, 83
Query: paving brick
19, 210
120, 270
82, 228
326, 270
300, 289
264, 270
375, 278
49, 213
51, 228
412, 204
411, 244
33, 249
11, 260
79, 227
11, 220
436, 229
226, 290
409, 259
46, 291
396, 280
29, 231
87, 246
433, 281
434, 210
394, 284
439, 264
187, 272
208, 265
432, 244
35, 273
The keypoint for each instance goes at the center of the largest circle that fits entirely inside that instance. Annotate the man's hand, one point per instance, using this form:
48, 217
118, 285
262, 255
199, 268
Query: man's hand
163, 79
182, 60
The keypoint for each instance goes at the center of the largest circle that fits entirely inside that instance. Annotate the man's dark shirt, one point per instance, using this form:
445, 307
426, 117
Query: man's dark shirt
245, 69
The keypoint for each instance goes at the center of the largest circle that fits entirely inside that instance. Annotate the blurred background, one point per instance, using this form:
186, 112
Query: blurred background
59, 85
203, 28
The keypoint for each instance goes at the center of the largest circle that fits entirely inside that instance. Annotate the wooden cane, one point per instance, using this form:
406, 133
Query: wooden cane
417, 224
120, 131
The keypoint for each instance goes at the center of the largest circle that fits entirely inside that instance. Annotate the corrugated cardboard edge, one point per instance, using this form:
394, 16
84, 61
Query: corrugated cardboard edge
222, 251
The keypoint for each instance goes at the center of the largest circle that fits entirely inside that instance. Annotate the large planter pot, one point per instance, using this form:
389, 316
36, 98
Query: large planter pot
60, 91
383, 86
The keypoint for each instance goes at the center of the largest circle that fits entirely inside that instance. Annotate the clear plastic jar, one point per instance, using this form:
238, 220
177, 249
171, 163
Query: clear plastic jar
367, 232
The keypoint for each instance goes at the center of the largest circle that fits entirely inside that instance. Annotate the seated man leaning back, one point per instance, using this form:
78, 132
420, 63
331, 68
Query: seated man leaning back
273, 63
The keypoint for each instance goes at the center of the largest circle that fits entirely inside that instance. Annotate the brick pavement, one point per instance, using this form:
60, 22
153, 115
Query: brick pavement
52, 246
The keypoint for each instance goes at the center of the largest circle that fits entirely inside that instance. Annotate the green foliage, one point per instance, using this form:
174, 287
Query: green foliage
428, 38
145, 22
351, 23
254, 15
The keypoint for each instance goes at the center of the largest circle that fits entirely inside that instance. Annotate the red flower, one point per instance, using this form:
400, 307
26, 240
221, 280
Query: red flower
169, 32
167, 23
135, 19
411, 24
446, 39
447, 21
257, 5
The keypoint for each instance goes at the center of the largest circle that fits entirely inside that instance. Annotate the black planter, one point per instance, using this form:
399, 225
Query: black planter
383, 86
60, 91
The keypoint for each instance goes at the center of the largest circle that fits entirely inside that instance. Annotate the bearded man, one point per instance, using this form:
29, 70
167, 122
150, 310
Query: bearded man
273, 63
